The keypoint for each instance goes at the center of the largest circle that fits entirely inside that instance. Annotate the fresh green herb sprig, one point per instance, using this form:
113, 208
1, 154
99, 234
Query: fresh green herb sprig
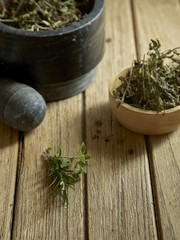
41, 15
154, 82
64, 172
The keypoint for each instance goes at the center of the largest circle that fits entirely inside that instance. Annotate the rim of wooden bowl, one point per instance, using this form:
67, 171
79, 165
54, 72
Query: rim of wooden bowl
141, 121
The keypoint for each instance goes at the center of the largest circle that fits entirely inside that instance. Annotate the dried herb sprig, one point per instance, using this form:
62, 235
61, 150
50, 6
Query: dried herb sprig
154, 82
41, 15
64, 172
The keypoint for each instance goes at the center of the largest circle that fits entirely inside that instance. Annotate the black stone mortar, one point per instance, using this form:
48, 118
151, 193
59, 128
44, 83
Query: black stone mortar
58, 63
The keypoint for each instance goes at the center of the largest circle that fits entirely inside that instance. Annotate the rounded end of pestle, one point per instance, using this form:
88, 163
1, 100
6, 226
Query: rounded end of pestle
25, 109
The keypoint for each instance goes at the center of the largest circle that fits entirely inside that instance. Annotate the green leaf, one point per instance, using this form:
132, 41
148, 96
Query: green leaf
47, 151
87, 157
65, 197
59, 151
53, 182
64, 162
82, 158
84, 168
56, 189
64, 171
83, 148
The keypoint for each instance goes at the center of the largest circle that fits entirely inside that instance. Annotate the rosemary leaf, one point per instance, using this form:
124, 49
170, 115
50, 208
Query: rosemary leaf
64, 172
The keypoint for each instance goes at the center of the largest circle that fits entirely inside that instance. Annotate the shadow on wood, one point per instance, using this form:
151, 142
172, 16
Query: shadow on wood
8, 135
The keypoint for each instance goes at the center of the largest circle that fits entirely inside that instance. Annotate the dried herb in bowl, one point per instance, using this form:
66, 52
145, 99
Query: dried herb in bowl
154, 82
41, 15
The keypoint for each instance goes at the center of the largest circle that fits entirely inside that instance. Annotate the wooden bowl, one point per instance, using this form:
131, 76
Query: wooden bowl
143, 121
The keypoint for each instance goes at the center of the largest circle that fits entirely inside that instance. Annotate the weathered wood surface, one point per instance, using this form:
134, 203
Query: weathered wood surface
161, 19
37, 216
8, 165
131, 190
118, 180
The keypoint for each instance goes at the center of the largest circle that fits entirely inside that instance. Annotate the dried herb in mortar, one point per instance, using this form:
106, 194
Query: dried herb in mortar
154, 82
64, 172
41, 15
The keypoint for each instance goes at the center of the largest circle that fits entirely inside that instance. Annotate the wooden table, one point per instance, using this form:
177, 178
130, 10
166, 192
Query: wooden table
131, 191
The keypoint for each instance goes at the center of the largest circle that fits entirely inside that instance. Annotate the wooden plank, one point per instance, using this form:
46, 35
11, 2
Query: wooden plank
156, 19
8, 164
165, 167
160, 19
119, 190
37, 215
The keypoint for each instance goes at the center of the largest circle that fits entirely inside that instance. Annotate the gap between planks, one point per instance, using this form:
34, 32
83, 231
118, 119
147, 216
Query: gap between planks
148, 147
164, 25
84, 176
154, 189
18, 169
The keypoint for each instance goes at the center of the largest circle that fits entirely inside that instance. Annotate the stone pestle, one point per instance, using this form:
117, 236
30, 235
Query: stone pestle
21, 106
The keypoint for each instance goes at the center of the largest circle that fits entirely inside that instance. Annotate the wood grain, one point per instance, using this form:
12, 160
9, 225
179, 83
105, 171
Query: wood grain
120, 202
165, 167
8, 166
165, 151
156, 19
37, 215
132, 187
